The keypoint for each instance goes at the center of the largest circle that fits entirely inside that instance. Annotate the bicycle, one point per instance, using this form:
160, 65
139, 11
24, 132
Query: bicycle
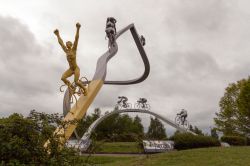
76, 90
143, 106
122, 105
178, 121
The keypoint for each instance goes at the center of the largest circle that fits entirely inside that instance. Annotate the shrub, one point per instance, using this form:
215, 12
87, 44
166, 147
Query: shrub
189, 141
248, 141
22, 141
234, 140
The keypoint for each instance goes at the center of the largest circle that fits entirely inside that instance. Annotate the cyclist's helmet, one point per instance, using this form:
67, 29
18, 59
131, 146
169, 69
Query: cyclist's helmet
111, 19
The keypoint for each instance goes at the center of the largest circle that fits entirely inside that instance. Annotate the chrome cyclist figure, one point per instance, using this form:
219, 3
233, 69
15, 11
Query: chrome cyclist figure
142, 104
122, 102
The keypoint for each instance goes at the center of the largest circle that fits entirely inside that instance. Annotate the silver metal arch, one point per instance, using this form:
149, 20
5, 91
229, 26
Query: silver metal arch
92, 127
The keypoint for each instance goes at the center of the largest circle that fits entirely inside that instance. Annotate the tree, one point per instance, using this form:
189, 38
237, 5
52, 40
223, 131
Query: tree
22, 140
137, 126
244, 108
197, 131
120, 128
156, 130
107, 129
84, 123
214, 133
191, 128
19, 139
234, 117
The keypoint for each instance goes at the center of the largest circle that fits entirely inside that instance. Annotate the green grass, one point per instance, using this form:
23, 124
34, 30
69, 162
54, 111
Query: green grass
106, 160
119, 147
234, 156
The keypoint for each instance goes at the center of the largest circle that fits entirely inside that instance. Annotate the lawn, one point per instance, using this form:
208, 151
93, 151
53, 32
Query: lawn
119, 147
234, 156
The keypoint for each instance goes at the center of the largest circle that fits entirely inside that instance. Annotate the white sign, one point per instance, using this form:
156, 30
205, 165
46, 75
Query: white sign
154, 146
82, 144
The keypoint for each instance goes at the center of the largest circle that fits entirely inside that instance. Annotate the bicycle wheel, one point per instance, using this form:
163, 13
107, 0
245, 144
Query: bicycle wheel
178, 120
186, 124
137, 106
118, 106
147, 107
129, 106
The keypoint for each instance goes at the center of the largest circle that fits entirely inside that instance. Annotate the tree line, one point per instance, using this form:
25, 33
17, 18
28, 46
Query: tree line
122, 127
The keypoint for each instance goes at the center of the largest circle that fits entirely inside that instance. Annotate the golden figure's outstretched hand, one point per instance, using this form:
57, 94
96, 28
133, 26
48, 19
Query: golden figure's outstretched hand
56, 32
78, 25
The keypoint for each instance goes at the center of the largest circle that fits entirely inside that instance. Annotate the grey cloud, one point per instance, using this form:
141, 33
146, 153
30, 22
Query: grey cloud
17, 41
182, 72
25, 66
27, 69
193, 63
199, 16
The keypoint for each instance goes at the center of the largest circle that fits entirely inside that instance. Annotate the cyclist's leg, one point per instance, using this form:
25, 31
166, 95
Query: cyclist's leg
125, 102
182, 120
65, 75
143, 105
185, 119
79, 83
178, 119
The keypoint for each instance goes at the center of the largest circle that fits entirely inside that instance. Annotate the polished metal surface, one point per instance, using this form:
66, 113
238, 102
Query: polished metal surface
142, 52
101, 67
85, 138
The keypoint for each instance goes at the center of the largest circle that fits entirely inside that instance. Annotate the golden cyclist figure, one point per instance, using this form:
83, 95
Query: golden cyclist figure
70, 50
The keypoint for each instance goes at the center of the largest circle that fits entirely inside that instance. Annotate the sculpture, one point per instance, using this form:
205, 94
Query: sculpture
142, 104
70, 50
110, 30
80, 108
181, 118
143, 40
122, 102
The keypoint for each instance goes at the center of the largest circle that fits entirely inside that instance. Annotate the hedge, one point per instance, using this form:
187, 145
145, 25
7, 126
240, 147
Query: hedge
234, 140
189, 141
248, 141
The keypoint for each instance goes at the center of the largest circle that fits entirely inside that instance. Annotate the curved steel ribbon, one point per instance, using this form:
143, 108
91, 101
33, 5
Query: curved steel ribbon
101, 67
143, 54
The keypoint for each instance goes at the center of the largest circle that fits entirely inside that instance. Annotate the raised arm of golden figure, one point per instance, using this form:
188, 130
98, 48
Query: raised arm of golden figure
60, 41
78, 26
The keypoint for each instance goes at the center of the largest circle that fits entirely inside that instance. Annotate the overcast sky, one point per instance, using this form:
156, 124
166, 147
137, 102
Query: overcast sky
195, 48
